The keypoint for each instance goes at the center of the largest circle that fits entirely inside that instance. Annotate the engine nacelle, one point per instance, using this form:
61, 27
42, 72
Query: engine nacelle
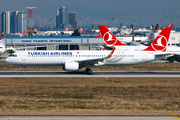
71, 66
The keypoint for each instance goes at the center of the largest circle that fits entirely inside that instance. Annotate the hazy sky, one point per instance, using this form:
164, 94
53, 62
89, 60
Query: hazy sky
94, 8
109, 5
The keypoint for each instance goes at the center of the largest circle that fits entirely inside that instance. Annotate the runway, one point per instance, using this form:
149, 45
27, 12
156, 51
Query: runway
88, 117
95, 74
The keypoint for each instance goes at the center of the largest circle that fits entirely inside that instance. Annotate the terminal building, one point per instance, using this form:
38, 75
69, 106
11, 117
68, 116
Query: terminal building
68, 42
54, 42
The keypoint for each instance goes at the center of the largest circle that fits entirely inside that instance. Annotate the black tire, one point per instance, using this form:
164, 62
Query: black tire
88, 71
24, 71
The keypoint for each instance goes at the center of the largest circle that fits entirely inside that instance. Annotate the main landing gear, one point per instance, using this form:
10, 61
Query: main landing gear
24, 69
88, 71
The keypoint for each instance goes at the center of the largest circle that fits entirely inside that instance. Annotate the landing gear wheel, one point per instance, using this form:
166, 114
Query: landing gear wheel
24, 69
88, 71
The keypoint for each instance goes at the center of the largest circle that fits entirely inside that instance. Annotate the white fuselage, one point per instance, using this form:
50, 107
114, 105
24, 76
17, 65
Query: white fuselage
2, 47
68, 32
57, 57
175, 50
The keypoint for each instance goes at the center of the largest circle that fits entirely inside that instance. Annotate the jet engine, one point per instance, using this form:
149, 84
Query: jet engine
71, 66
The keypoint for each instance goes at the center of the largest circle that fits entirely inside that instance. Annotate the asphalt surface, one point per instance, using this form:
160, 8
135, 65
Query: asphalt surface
88, 117
95, 74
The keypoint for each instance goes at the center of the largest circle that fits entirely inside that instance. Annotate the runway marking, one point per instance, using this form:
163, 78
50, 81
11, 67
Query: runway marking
175, 117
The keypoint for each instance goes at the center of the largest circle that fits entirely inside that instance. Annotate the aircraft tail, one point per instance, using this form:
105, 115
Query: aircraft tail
67, 29
161, 41
100, 33
81, 30
120, 26
156, 28
108, 37
22, 34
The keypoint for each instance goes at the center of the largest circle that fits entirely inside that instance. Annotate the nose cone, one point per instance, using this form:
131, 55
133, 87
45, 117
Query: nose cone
7, 60
2, 49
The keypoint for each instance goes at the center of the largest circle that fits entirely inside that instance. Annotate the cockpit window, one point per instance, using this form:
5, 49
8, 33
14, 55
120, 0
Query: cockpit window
12, 55
1, 47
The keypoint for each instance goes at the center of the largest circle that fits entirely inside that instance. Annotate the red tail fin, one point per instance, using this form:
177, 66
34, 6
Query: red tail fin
81, 30
109, 38
100, 34
67, 29
22, 34
161, 41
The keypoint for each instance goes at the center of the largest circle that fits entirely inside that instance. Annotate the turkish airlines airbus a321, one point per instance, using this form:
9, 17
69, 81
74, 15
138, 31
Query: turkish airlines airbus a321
73, 60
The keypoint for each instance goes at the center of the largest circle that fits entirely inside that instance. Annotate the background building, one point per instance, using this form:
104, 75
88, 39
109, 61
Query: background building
61, 18
13, 22
73, 19
5, 21
21, 22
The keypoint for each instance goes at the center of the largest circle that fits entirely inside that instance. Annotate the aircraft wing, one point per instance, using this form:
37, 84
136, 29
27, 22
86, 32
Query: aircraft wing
163, 55
96, 60
176, 54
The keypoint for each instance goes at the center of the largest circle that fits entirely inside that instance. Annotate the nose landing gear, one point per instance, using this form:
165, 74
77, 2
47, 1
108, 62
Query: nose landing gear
24, 69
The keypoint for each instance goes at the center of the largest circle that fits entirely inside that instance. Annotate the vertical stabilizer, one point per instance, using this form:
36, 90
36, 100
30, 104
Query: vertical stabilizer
108, 37
161, 41
156, 28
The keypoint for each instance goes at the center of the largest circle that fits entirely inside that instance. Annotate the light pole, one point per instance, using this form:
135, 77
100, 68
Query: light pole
80, 21
112, 21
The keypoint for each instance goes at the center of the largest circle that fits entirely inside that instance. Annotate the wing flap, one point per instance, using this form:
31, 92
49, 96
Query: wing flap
163, 56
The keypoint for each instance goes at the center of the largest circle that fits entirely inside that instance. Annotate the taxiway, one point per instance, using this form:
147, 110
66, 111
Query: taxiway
95, 74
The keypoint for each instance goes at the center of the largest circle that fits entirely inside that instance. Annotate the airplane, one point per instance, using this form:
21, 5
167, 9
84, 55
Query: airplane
68, 32
76, 59
81, 30
67, 29
118, 30
56, 32
2, 46
22, 34
143, 32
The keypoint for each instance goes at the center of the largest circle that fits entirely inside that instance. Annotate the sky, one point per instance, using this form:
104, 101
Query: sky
137, 11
